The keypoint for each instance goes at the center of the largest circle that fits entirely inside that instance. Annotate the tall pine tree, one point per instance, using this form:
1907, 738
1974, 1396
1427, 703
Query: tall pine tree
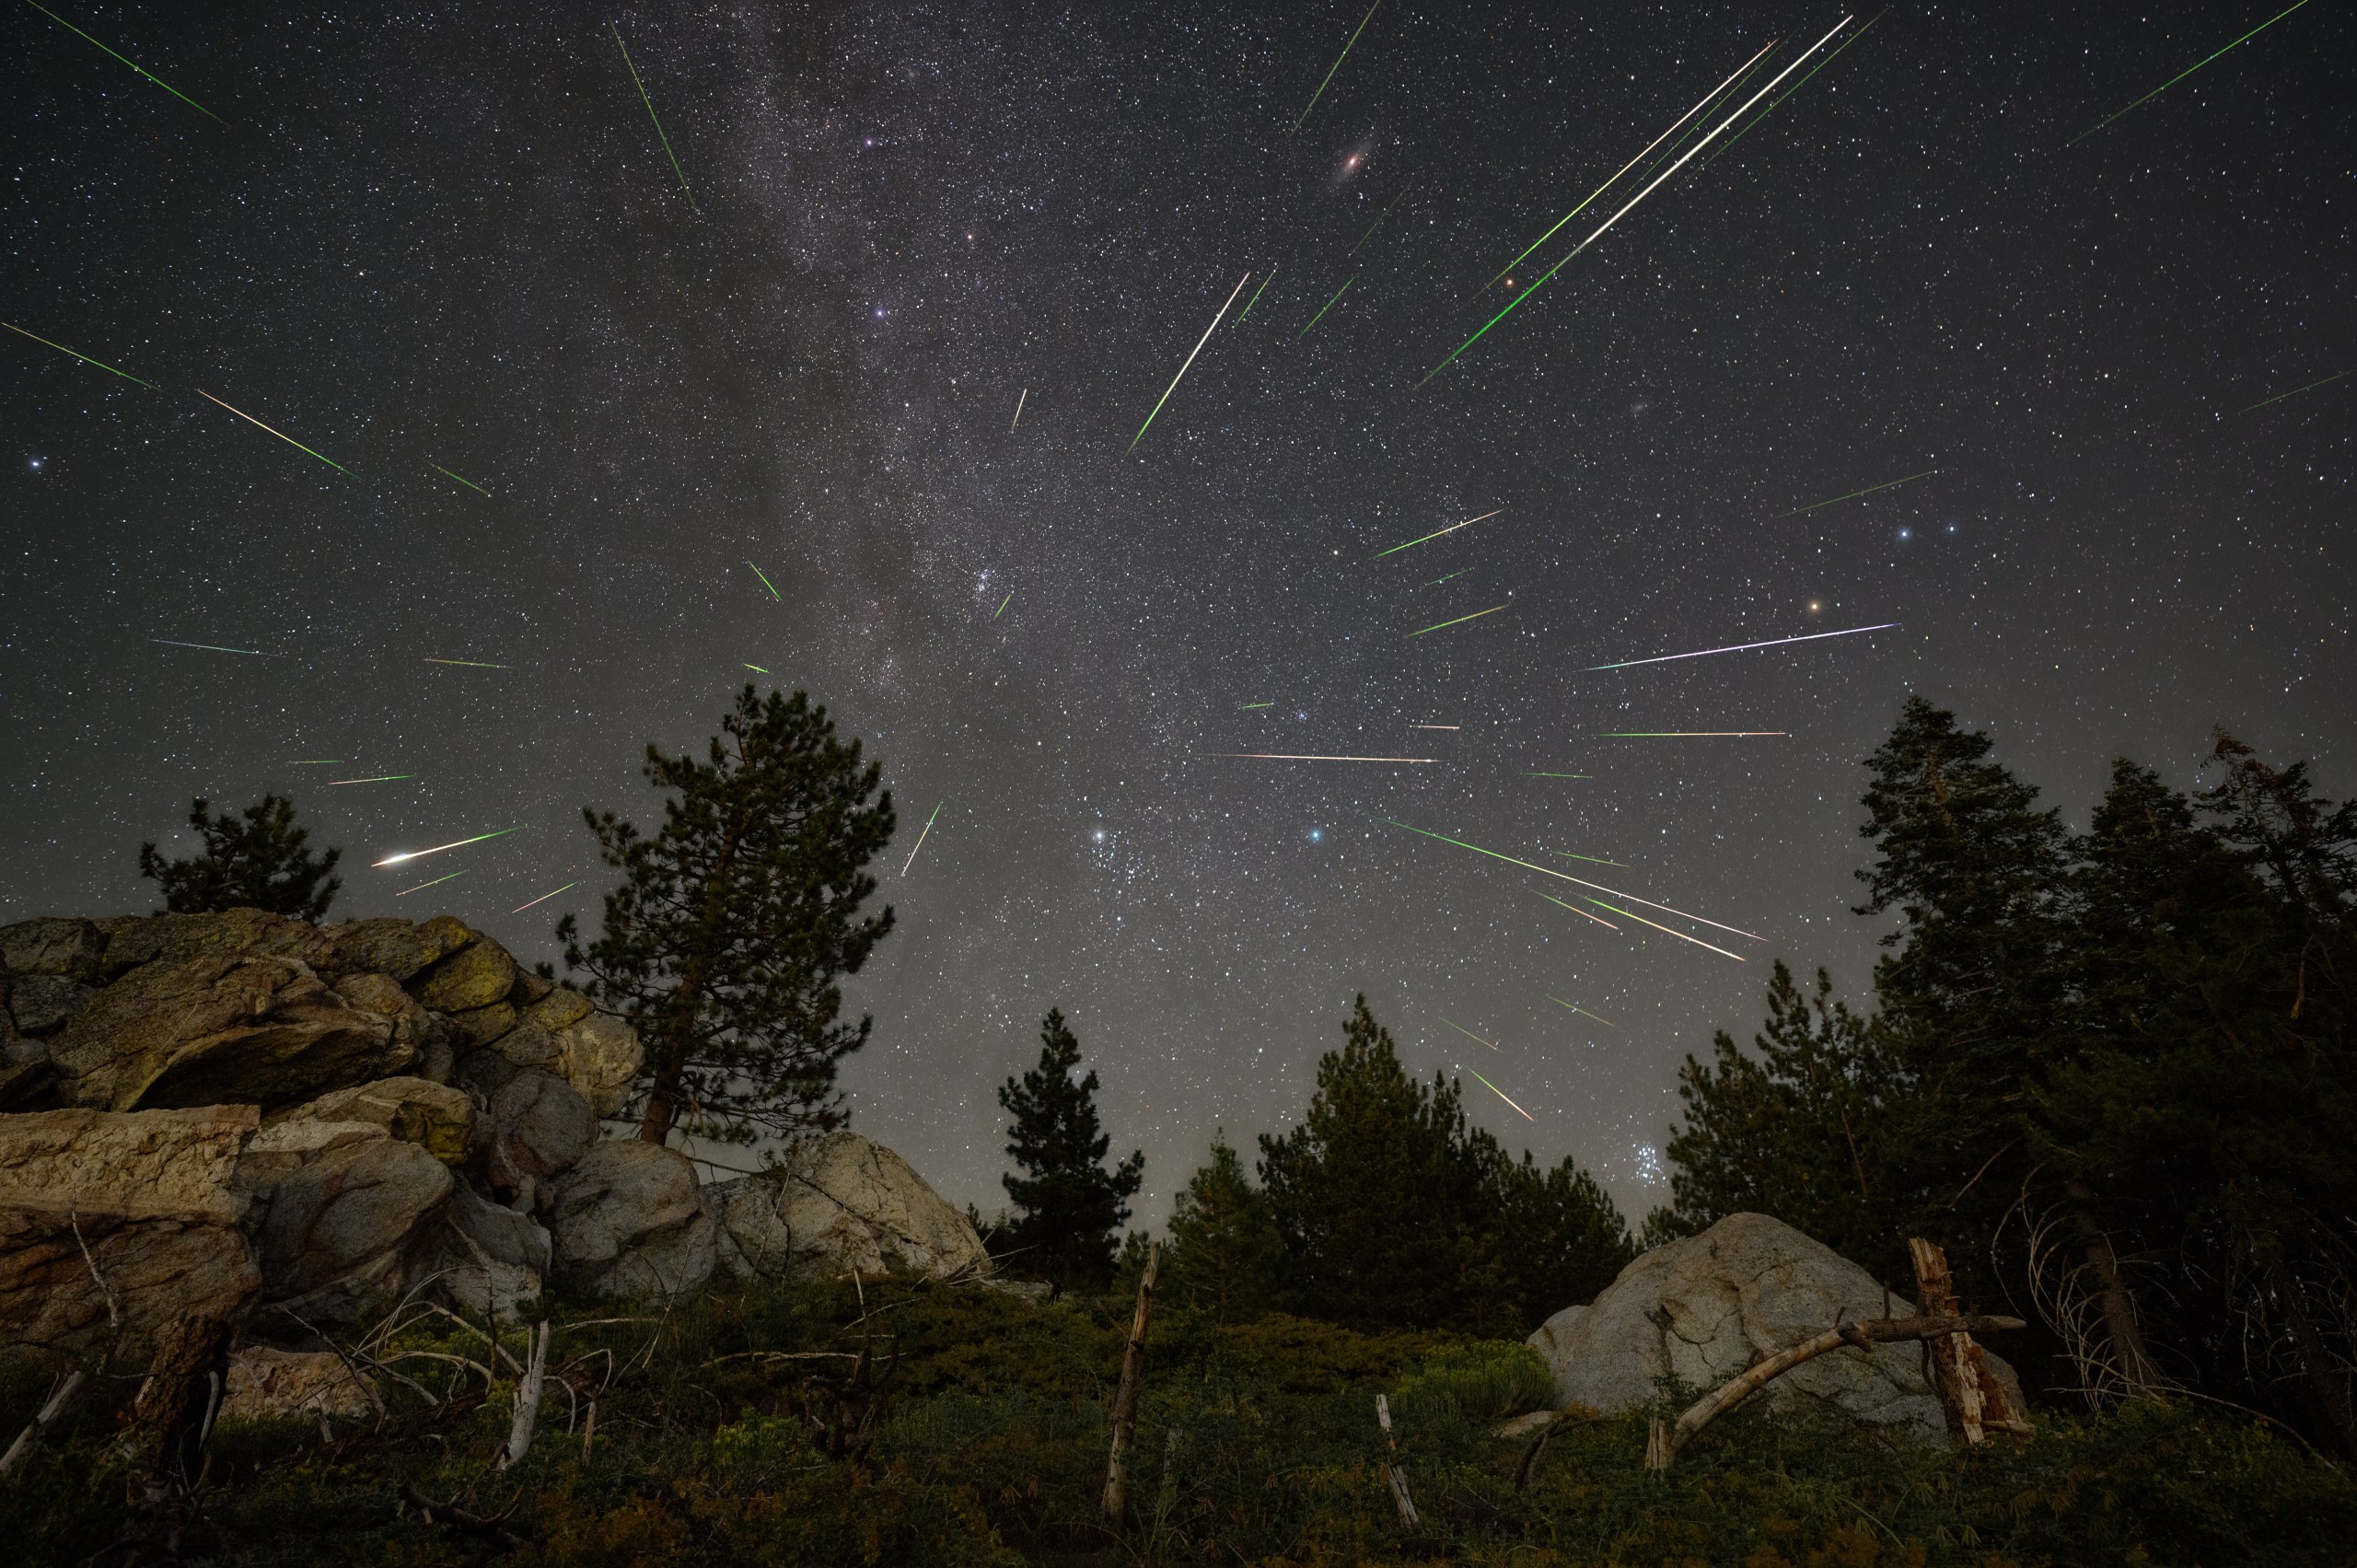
1224, 1249
1069, 1209
257, 859
735, 920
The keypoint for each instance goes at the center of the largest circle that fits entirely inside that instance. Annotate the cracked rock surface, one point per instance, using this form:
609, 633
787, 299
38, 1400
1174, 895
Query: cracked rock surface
842, 1201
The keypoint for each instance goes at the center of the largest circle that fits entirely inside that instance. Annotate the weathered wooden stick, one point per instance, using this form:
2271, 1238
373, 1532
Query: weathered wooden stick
1951, 1354
528, 1400
1125, 1400
1393, 1475
1660, 1453
589, 1431
51, 1408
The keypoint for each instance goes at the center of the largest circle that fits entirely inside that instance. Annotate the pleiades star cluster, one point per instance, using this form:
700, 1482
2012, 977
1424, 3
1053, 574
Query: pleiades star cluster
1050, 392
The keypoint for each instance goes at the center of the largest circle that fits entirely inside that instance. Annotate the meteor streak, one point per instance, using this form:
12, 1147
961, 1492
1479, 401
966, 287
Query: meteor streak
1460, 620
1616, 217
143, 70
1744, 648
920, 844
1567, 877
544, 897
1458, 572
2262, 403
406, 892
211, 647
757, 670
1325, 307
1526, 774
438, 849
2184, 73
1632, 162
469, 663
250, 419
1191, 359
1001, 606
1380, 216
1298, 757
1345, 55
1428, 537
1788, 92
1577, 1008
1592, 860
1469, 1034
659, 123
1577, 911
1435, 727
764, 576
1640, 920
83, 357
380, 778
1856, 494
462, 478
1687, 735
1250, 706
1018, 410
1502, 1095
1256, 296
319, 763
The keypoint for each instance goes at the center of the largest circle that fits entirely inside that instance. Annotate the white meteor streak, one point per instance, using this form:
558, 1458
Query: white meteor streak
1191, 359
438, 849
1297, 756
1018, 410
1746, 647
928, 822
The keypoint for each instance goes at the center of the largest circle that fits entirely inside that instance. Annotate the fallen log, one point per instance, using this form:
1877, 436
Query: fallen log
1662, 1448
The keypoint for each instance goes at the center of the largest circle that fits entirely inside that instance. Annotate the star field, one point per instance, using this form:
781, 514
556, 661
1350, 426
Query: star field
445, 240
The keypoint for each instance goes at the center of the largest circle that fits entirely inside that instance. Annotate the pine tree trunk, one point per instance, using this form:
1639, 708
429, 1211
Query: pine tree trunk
1125, 1401
165, 1435
2120, 1325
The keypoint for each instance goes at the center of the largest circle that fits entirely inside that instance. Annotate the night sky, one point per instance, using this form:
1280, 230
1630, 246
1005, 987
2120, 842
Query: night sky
450, 236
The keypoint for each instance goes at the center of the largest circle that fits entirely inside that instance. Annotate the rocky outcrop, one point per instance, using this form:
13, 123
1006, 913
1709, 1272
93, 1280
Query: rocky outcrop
838, 1203
113, 1224
437, 1117
342, 1214
630, 1220
493, 1258
537, 1129
264, 1384
1703, 1309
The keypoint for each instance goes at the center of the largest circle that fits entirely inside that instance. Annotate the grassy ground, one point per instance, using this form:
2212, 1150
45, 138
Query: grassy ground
747, 1429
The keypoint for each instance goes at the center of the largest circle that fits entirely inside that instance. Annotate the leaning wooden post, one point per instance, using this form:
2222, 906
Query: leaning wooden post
1393, 1476
1125, 1401
1972, 1397
529, 1391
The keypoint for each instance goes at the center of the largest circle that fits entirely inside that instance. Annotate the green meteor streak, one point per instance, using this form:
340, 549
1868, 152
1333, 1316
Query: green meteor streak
1436, 581
406, 892
659, 123
1378, 219
143, 70
1497, 1091
250, 419
1528, 775
468, 663
1256, 296
1682, 734
1788, 92
1250, 706
1592, 860
1567, 877
83, 357
1469, 1034
764, 576
921, 837
1325, 307
211, 647
1460, 620
1345, 55
438, 849
380, 778
2293, 393
756, 668
319, 763
462, 478
1867, 491
1430, 536
1001, 606
1577, 1008
2186, 72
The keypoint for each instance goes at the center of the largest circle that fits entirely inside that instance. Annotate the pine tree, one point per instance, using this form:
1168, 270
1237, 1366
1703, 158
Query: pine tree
735, 920
257, 860
1225, 1250
1561, 1235
1069, 1208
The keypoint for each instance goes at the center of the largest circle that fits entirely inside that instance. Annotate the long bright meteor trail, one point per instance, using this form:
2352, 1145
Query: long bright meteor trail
1517, 301
1564, 875
380, 778
1430, 536
920, 844
468, 663
1297, 757
1018, 409
1745, 647
250, 419
1191, 359
1591, 859
1788, 92
1577, 1008
1001, 606
1256, 296
438, 849
2184, 73
1640, 920
143, 70
406, 892
1250, 706
764, 576
211, 647
1325, 307
757, 670
544, 897
1460, 620
1632, 162
83, 357
2261, 404
1435, 727
1499, 1092
1869, 490
659, 123
1577, 911
1338, 64
1469, 1034
1688, 734
462, 478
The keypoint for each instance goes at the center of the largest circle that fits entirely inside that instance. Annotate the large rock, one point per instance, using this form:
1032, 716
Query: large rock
435, 1117
536, 1128
630, 1221
301, 1385
44, 1004
67, 949
344, 1215
150, 1194
218, 1029
493, 1258
133, 940
396, 948
1703, 1309
838, 1203
478, 975
600, 1055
